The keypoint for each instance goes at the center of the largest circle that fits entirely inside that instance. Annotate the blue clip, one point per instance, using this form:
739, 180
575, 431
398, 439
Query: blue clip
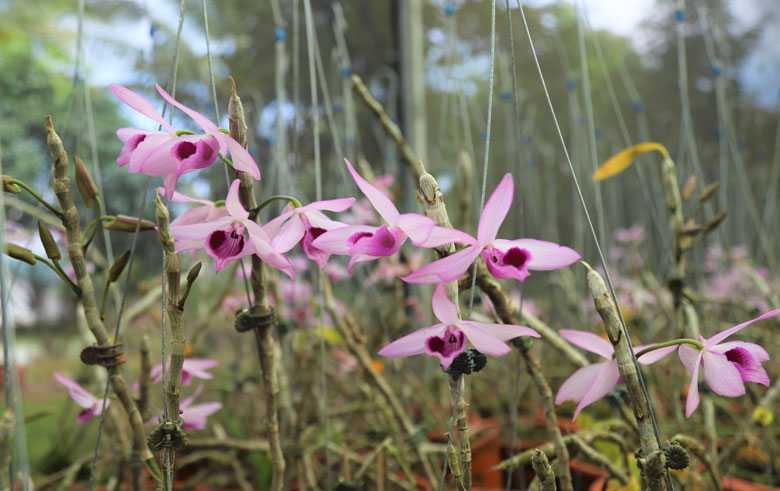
717, 69
346, 72
280, 33
449, 9
638, 106
571, 85
679, 15
506, 95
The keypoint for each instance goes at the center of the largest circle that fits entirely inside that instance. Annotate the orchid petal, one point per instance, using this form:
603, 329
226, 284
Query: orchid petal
233, 202
588, 341
336, 205
606, 380
576, 386
411, 344
653, 356
446, 347
266, 252
202, 120
728, 332
378, 199
242, 160
446, 269
495, 210
289, 234
721, 375
443, 308
152, 156
417, 227
385, 242
125, 134
544, 256
445, 235
336, 241
756, 351
272, 227
510, 264
504, 332
746, 358
195, 417
79, 395
484, 341
691, 359
140, 104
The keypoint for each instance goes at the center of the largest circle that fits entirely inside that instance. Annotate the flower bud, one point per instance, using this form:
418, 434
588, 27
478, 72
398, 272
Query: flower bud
10, 187
710, 226
124, 223
118, 266
87, 188
688, 188
708, 192
20, 253
49, 244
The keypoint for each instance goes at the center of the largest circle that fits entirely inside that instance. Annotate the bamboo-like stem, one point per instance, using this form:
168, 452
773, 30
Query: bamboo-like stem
392, 129
173, 380
605, 306
144, 378
356, 345
522, 459
264, 333
543, 470
61, 184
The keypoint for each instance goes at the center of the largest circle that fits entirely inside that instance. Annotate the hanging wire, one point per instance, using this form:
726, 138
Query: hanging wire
126, 287
313, 52
590, 224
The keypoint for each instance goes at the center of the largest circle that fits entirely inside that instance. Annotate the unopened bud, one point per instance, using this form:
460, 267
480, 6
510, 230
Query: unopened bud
10, 187
87, 188
708, 192
194, 272
49, 244
690, 229
124, 223
688, 188
20, 253
119, 265
710, 226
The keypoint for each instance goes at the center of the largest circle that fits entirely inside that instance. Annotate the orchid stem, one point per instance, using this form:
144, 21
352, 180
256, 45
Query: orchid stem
696, 344
37, 196
55, 266
290, 199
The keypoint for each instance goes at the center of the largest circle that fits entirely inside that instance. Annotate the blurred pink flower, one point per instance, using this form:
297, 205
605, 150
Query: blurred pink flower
632, 234
192, 367
91, 404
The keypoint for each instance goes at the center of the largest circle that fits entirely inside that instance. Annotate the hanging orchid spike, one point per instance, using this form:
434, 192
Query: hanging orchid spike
592, 382
230, 237
503, 258
169, 154
447, 339
725, 366
366, 242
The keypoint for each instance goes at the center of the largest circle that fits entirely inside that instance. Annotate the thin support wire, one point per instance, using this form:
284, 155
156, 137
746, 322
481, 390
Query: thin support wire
487, 138
590, 223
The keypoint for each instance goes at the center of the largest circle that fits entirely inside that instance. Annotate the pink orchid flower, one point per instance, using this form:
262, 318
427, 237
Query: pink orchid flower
224, 238
304, 224
164, 153
592, 382
192, 367
503, 258
447, 339
726, 366
91, 404
366, 242
195, 416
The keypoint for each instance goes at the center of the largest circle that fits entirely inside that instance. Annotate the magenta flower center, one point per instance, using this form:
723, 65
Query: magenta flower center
185, 149
451, 342
135, 140
516, 257
227, 243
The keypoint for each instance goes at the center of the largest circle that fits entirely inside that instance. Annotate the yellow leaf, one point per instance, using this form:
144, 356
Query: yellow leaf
620, 162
